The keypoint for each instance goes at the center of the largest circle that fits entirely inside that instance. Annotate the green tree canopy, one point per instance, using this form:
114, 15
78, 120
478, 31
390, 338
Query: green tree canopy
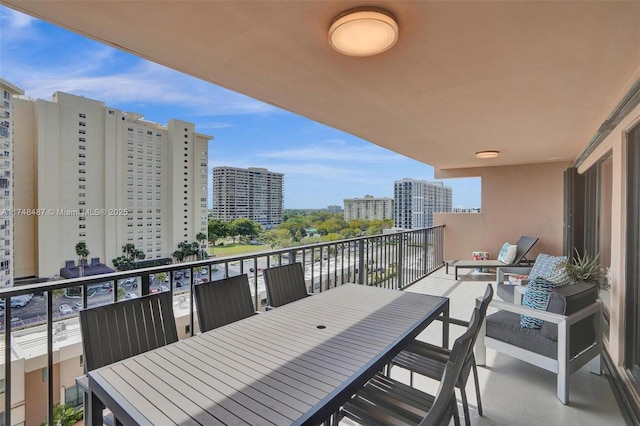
246, 227
277, 238
217, 229
64, 416
332, 225
349, 233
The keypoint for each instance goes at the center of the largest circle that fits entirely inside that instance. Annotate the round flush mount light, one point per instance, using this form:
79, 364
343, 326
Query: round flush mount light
363, 32
487, 154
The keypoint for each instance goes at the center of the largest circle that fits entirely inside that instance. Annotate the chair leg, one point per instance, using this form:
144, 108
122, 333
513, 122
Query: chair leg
595, 365
477, 383
563, 385
456, 415
465, 406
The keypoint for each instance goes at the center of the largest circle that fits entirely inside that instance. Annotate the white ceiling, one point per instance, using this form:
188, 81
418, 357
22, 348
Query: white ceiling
534, 80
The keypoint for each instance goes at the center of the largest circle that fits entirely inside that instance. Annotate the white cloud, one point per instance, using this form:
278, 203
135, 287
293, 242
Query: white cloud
336, 152
16, 24
214, 125
103, 73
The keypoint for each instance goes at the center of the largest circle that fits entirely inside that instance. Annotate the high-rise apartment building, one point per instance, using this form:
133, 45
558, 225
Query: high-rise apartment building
89, 172
368, 208
415, 202
334, 209
6, 181
253, 193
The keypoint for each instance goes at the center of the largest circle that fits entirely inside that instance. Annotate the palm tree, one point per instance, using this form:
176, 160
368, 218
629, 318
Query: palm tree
178, 255
129, 258
201, 237
83, 252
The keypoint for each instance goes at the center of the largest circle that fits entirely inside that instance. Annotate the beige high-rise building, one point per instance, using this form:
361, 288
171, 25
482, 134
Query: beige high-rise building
368, 208
253, 193
89, 172
9, 91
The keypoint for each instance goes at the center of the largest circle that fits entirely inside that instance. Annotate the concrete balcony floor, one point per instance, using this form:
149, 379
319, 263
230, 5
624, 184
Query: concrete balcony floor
514, 392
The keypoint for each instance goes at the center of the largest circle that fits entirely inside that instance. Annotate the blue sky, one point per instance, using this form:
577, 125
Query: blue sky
322, 165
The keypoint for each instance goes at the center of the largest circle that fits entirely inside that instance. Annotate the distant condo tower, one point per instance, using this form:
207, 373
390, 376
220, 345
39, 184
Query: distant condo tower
415, 202
9, 91
252, 193
368, 208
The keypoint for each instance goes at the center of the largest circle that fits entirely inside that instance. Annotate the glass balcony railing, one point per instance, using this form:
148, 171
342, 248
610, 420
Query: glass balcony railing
41, 319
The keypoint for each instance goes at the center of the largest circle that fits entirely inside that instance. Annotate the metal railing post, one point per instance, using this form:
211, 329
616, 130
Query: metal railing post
425, 252
7, 361
146, 282
361, 272
50, 357
400, 263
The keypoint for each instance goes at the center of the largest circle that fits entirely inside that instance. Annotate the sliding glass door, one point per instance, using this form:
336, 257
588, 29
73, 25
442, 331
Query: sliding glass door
632, 329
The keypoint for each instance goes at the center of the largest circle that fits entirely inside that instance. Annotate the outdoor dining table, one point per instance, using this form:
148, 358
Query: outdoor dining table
296, 364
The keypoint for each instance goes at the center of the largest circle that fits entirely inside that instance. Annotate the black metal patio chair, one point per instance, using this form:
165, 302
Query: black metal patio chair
284, 284
223, 301
385, 401
117, 331
430, 360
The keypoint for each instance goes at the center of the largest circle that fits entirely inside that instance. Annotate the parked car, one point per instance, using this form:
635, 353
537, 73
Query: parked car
19, 302
77, 305
65, 309
130, 296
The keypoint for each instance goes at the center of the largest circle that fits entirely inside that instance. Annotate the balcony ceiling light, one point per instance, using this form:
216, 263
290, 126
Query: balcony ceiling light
363, 32
487, 154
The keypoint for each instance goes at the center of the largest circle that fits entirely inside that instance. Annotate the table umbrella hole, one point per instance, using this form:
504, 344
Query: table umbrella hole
321, 327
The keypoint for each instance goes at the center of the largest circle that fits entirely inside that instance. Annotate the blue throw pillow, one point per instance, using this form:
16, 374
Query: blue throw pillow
503, 253
547, 274
536, 296
546, 265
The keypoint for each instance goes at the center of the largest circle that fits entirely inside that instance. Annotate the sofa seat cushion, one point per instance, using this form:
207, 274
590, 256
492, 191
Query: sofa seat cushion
505, 326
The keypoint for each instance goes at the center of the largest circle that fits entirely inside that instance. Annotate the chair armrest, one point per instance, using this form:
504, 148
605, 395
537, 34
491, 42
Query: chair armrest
548, 316
535, 313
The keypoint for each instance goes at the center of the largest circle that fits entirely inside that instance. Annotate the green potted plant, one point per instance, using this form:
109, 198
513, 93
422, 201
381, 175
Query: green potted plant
584, 268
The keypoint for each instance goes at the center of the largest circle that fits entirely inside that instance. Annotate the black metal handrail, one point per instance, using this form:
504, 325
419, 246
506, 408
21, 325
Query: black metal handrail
393, 260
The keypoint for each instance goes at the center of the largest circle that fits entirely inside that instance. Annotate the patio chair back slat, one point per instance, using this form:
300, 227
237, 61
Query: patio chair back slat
284, 284
223, 301
120, 330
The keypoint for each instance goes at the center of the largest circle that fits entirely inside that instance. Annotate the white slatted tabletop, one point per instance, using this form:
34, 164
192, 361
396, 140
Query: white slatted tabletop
293, 365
